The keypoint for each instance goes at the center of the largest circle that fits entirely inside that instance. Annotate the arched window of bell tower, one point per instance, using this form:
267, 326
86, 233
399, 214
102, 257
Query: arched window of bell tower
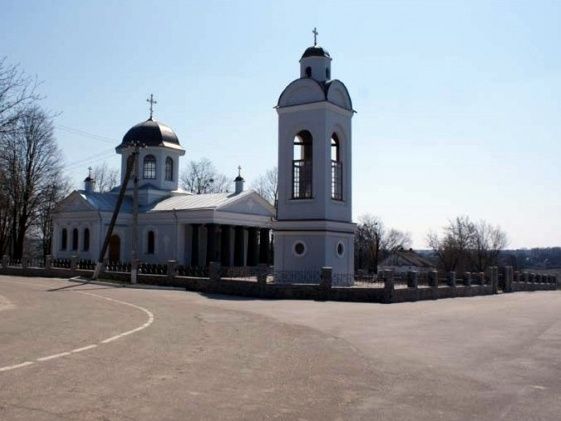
302, 166
308, 71
327, 74
336, 169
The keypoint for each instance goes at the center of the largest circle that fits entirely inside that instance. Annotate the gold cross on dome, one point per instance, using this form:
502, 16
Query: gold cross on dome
315, 32
152, 101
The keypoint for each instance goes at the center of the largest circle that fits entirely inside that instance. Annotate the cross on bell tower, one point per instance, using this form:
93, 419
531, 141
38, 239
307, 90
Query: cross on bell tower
152, 101
315, 32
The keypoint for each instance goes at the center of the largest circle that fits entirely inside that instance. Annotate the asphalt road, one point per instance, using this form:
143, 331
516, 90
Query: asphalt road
91, 352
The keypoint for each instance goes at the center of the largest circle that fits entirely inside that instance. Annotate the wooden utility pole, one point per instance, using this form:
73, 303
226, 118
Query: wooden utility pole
134, 242
130, 164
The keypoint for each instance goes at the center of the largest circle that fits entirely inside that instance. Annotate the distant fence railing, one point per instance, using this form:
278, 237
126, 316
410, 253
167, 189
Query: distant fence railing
263, 281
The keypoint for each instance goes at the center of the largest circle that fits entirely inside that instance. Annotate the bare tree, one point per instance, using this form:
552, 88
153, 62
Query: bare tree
374, 242
29, 162
467, 246
50, 196
267, 185
106, 178
17, 93
488, 242
201, 177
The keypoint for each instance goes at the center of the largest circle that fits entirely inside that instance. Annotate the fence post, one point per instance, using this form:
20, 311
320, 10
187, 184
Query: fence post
451, 279
412, 279
326, 280
467, 279
508, 278
5, 261
262, 273
389, 287
413, 283
172, 264
214, 271
73, 265
433, 283
134, 271
494, 273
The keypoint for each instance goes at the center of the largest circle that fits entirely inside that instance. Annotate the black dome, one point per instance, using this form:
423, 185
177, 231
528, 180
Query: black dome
150, 133
315, 51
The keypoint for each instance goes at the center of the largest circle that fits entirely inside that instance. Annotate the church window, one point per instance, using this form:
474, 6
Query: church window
327, 74
87, 239
151, 246
336, 169
308, 71
340, 249
302, 166
299, 248
149, 167
75, 239
64, 239
169, 169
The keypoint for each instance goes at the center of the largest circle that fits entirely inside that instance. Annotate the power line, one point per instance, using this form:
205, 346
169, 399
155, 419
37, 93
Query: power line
87, 134
96, 157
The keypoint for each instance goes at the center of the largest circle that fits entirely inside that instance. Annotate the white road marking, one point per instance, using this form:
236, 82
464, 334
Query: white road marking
13, 367
52, 357
88, 347
84, 348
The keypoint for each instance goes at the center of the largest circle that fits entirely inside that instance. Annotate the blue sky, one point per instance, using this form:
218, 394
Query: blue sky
459, 103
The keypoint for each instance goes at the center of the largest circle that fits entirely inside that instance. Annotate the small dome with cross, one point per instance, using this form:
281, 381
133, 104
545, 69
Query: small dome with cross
149, 133
315, 51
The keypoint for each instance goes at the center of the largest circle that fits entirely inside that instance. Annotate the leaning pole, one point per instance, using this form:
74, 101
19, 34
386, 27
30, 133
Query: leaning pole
130, 164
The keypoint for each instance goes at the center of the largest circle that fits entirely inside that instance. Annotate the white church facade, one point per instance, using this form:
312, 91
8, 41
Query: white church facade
192, 229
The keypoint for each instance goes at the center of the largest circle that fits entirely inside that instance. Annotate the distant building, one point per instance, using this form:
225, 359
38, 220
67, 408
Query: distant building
404, 261
193, 229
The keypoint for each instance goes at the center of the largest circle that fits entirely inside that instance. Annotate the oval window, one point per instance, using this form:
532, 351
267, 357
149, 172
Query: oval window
340, 249
299, 248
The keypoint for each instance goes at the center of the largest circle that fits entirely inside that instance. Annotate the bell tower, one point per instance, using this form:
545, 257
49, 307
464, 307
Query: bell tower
314, 220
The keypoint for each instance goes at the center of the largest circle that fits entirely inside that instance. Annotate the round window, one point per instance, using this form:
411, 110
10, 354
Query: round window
299, 248
340, 249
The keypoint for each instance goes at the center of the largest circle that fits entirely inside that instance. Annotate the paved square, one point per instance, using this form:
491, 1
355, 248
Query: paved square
71, 351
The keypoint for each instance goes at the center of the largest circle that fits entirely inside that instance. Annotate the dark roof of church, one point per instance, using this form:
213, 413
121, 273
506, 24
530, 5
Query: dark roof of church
150, 133
315, 51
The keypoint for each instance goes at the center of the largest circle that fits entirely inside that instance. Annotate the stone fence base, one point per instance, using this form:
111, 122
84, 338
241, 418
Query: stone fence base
323, 291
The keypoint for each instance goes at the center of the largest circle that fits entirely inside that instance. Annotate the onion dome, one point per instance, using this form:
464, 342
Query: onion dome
316, 51
150, 133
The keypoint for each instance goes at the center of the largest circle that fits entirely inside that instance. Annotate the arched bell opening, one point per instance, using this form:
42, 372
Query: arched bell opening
336, 169
302, 166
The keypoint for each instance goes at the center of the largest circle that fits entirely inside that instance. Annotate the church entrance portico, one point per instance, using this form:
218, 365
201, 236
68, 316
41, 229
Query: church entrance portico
230, 245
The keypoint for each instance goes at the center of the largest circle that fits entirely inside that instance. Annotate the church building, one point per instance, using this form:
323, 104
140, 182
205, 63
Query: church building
312, 227
193, 229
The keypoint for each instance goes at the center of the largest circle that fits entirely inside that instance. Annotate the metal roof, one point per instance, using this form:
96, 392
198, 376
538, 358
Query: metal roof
315, 51
106, 201
150, 133
196, 201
